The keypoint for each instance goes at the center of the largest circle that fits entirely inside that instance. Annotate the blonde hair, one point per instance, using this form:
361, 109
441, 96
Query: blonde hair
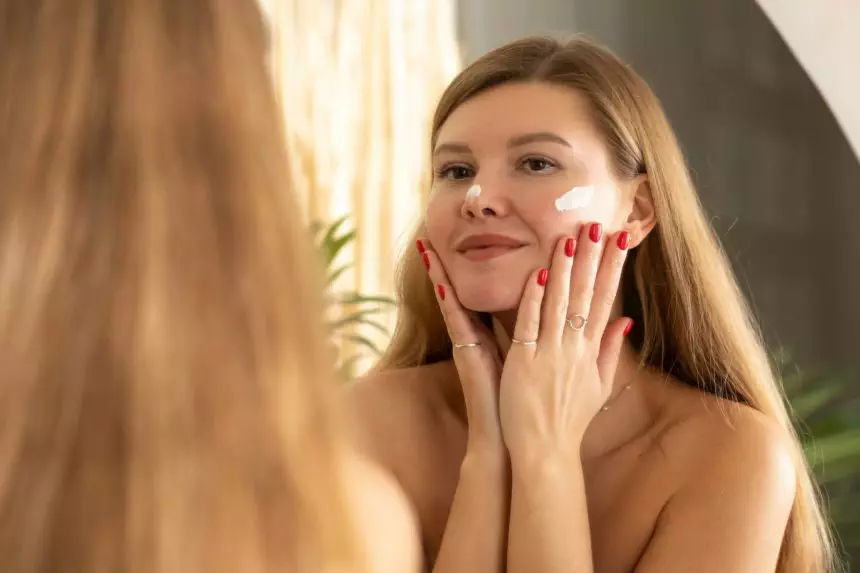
165, 403
678, 283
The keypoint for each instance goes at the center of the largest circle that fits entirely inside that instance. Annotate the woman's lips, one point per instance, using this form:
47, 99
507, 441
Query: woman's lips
487, 246
488, 253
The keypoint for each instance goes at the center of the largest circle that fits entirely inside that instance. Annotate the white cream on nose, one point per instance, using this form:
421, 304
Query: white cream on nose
473, 193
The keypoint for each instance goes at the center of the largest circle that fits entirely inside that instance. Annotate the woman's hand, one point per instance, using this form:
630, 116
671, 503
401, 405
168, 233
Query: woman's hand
476, 357
559, 371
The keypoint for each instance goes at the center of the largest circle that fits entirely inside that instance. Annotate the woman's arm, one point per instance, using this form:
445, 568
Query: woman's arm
549, 527
552, 386
474, 537
476, 530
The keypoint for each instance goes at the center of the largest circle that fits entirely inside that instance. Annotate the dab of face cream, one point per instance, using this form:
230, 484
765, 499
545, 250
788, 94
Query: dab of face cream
473, 192
576, 198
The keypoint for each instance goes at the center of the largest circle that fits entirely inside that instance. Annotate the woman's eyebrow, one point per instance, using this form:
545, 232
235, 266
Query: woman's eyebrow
527, 138
452, 147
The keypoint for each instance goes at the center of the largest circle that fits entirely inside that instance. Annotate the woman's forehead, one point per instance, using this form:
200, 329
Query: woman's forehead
513, 110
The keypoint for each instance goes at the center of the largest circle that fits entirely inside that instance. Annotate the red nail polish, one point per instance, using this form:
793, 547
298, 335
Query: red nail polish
426, 260
441, 290
543, 276
628, 328
595, 232
623, 240
420, 246
569, 246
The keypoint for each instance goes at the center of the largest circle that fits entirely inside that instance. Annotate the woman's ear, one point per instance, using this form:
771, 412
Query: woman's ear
643, 215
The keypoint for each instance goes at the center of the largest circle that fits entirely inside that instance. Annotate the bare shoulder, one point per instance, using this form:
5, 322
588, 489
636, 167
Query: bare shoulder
733, 482
389, 410
710, 434
729, 449
385, 520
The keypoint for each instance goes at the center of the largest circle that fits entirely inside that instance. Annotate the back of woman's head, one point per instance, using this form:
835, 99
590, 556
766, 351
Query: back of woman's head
677, 283
163, 396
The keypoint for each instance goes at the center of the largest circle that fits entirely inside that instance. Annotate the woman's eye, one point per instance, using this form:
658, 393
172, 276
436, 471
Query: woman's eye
455, 172
538, 165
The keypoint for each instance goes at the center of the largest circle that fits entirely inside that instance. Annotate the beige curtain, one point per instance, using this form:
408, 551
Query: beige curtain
359, 80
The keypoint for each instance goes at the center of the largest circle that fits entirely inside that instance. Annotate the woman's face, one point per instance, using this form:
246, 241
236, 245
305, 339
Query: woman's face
528, 146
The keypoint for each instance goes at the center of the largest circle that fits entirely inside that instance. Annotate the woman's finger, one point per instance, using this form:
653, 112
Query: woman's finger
460, 327
610, 348
557, 296
588, 252
527, 328
606, 284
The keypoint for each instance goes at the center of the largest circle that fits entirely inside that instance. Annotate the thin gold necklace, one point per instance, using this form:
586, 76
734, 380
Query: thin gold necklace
612, 399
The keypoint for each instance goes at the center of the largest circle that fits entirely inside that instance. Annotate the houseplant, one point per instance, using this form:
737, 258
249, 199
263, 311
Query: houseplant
350, 314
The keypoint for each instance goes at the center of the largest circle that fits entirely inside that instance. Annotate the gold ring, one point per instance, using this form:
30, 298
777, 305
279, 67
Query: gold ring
471, 344
524, 342
577, 322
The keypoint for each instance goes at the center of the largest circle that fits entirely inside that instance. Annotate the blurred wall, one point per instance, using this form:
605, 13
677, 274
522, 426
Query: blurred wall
823, 37
773, 169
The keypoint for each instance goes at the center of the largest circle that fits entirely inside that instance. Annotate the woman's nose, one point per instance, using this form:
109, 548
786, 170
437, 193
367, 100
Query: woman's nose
479, 203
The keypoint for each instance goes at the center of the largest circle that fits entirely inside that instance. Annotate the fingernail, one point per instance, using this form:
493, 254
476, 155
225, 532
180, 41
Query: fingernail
420, 246
569, 246
543, 276
441, 290
628, 328
595, 232
426, 260
623, 240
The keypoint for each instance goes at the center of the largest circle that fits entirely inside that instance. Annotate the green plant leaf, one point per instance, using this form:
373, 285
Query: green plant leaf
347, 367
847, 511
831, 475
336, 274
332, 230
363, 341
359, 317
835, 448
832, 424
357, 298
334, 248
376, 325
333, 242
807, 403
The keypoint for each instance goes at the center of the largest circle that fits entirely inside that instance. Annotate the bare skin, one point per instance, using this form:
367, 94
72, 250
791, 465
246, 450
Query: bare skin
414, 425
383, 517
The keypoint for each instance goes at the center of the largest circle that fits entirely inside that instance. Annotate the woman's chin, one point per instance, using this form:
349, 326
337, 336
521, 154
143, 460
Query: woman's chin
484, 301
488, 292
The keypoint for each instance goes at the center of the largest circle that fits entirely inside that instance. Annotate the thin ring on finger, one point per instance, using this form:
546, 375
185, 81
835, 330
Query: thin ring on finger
467, 345
577, 322
524, 342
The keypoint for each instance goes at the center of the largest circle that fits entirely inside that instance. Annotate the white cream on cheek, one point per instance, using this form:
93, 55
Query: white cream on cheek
473, 192
576, 198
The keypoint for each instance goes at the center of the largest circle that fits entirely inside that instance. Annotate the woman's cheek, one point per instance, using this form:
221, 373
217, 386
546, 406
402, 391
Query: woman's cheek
436, 218
552, 223
582, 205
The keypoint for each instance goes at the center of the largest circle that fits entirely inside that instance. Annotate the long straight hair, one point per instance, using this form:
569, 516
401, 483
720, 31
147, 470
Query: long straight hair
678, 285
165, 403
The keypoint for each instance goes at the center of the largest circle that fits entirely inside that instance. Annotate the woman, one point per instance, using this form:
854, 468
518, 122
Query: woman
164, 390
561, 414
